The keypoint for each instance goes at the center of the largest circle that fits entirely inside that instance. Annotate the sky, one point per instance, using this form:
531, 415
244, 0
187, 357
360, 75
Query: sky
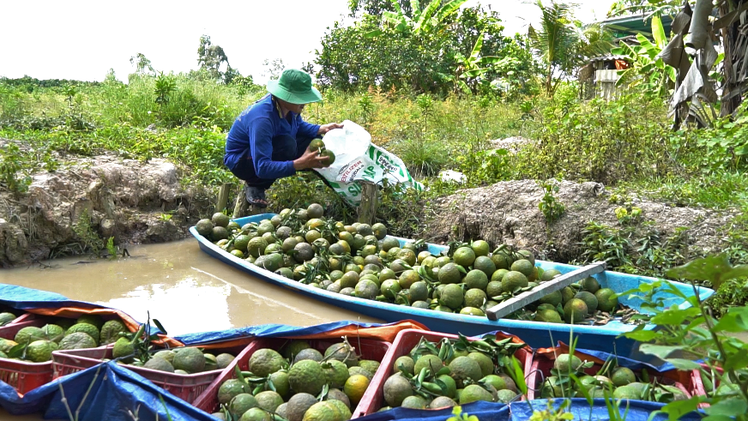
83, 39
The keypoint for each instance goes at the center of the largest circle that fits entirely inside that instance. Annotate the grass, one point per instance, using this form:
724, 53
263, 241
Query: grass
723, 190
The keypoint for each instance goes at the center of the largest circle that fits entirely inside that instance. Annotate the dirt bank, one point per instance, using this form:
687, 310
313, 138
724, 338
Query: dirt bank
88, 200
508, 212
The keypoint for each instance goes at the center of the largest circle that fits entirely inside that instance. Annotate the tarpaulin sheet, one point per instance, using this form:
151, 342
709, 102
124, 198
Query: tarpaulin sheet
24, 298
634, 410
55, 305
115, 393
485, 411
385, 332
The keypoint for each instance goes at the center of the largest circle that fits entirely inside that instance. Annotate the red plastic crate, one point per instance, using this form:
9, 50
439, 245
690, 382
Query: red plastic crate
404, 343
185, 386
543, 363
23, 376
698, 382
71, 361
370, 349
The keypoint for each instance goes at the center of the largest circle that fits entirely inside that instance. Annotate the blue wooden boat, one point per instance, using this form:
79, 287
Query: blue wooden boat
536, 334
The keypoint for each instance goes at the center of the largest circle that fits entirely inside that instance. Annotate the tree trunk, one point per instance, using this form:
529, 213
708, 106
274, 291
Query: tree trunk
241, 208
367, 209
731, 95
223, 197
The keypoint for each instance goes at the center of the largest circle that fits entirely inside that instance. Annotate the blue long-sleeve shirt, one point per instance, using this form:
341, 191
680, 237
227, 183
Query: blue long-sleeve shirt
253, 132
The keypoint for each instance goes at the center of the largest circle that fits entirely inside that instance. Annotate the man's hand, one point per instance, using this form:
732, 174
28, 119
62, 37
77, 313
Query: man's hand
327, 127
310, 159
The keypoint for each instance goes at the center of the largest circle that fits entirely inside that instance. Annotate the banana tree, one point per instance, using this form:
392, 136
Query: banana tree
424, 20
469, 69
647, 66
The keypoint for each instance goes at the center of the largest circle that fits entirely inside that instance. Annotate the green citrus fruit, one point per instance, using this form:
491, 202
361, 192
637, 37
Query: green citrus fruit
396, 389
464, 256
464, 368
265, 361
607, 299
306, 376
588, 299
189, 359
475, 297
317, 145
575, 311
524, 266
405, 363
449, 274
451, 296
590, 284
476, 279
513, 280
220, 219
473, 393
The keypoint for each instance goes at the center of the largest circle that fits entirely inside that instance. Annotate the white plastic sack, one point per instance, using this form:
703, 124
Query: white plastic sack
357, 159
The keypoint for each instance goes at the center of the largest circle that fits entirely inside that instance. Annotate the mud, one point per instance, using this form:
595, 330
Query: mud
88, 200
508, 213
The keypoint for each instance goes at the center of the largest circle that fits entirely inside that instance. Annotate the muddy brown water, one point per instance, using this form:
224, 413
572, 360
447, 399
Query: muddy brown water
184, 288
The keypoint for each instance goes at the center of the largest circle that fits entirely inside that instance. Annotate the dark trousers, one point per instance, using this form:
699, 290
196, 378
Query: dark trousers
285, 148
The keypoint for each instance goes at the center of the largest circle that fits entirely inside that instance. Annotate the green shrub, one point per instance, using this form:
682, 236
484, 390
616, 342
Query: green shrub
733, 293
623, 139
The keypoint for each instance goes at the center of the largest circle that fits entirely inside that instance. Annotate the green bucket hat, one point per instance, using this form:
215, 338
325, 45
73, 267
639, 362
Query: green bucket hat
294, 86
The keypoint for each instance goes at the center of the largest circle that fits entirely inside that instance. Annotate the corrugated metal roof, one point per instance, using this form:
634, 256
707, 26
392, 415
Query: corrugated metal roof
631, 25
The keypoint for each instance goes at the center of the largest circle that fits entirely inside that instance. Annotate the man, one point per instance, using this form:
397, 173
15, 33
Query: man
269, 140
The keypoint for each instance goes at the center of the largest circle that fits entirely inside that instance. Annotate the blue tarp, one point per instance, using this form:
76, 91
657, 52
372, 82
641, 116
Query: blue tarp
634, 410
268, 331
23, 298
485, 411
522, 411
630, 363
115, 392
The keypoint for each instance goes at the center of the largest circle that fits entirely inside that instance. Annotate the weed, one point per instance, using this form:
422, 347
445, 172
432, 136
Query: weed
402, 210
604, 243
458, 415
11, 170
166, 85
604, 141
733, 293
366, 106
87, 238
552, 209
628, 215
111, 248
